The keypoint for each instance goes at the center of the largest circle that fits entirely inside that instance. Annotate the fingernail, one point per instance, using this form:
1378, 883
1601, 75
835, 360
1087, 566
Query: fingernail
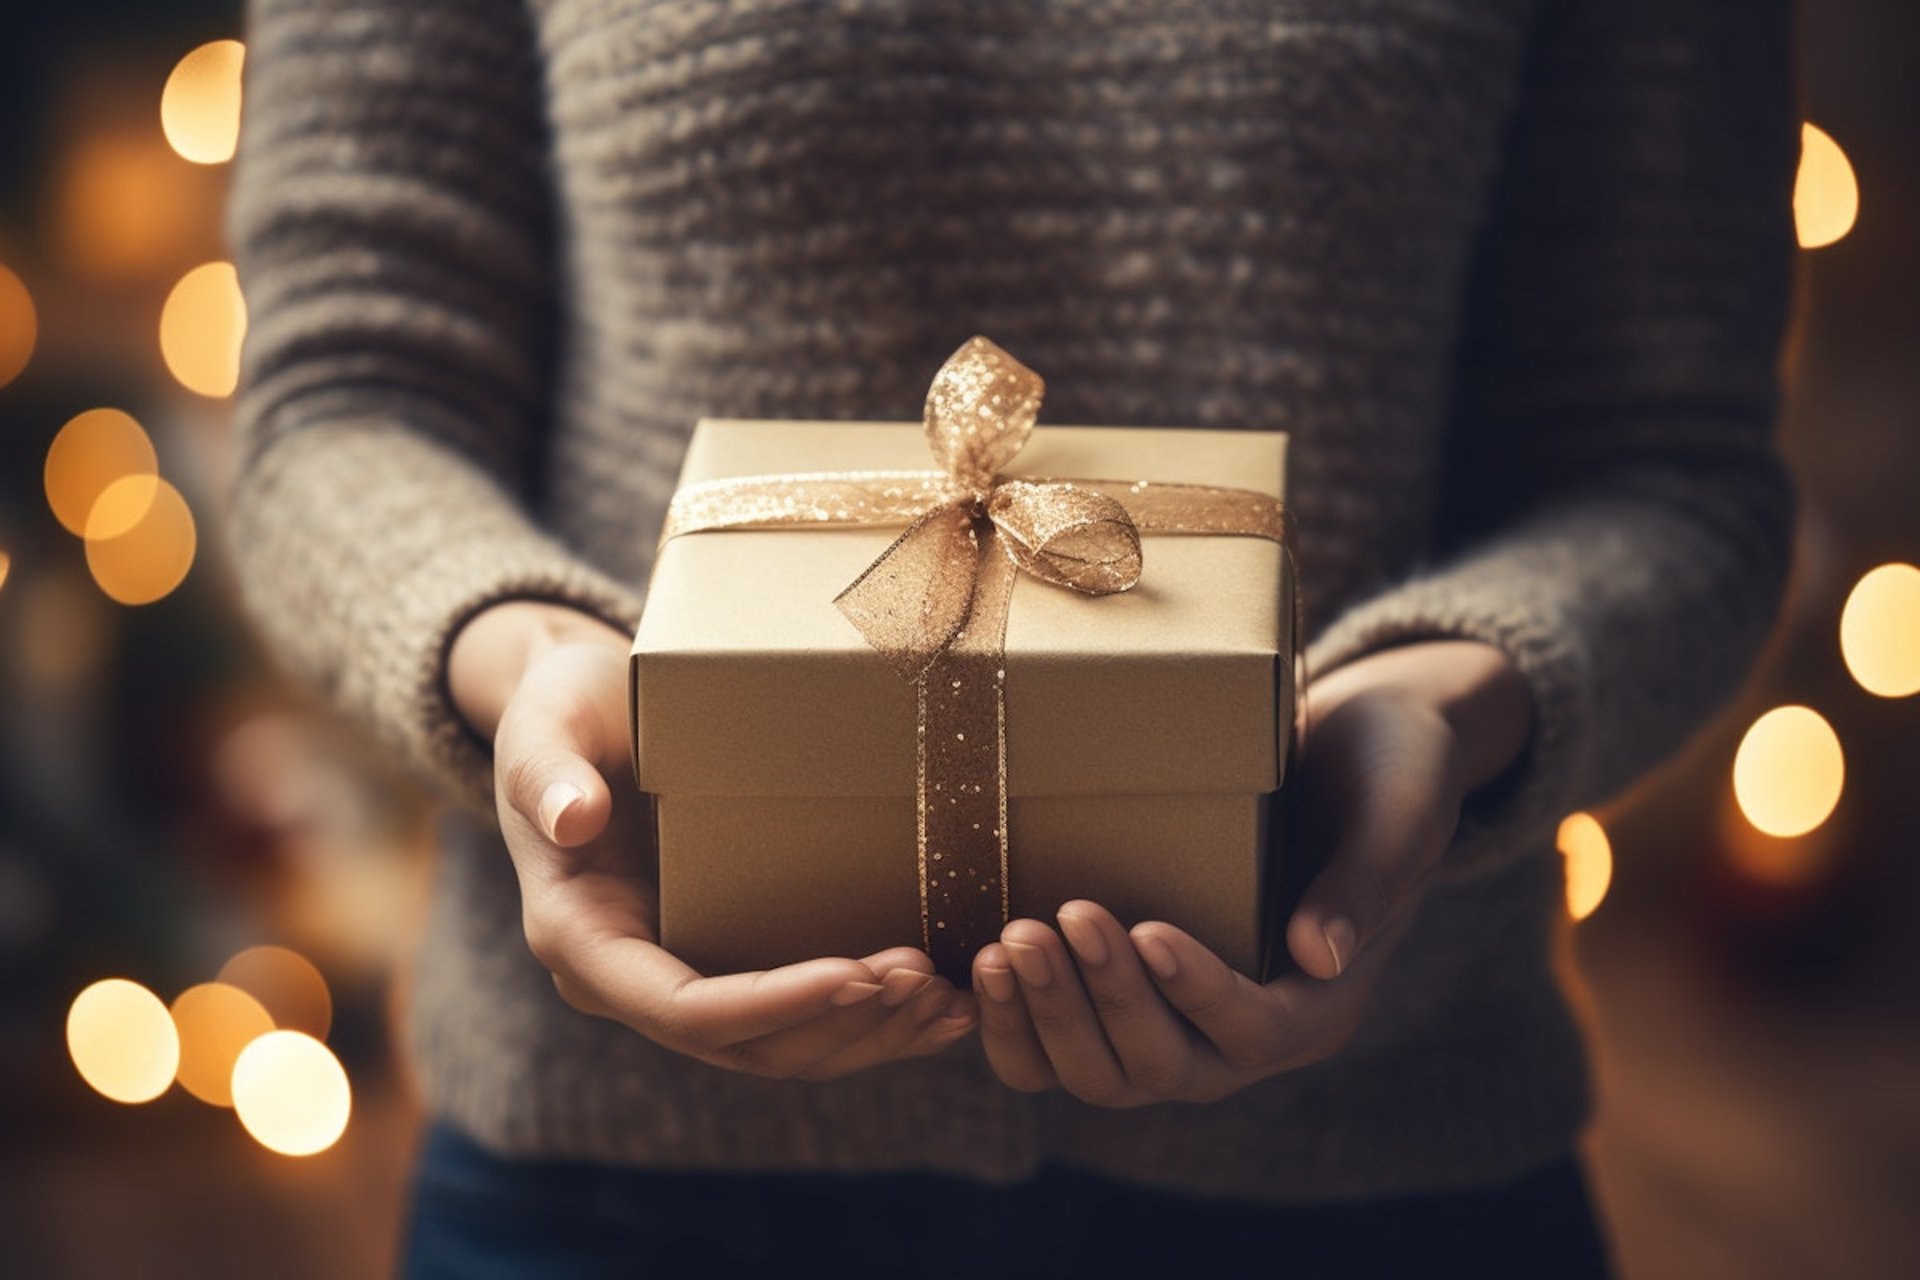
555, 802
1159, 957
997, 983
1084, 937
854, 993
1030, 962
1340, 938
902, 985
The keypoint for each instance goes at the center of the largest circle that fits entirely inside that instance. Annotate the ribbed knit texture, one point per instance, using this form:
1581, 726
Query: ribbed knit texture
1514, 282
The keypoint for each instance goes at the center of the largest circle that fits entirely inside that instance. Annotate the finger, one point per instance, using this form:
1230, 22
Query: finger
1063, 1017
667, 1000
582, 1000
1394, 814
556, 737
934, 1018
547, 791
1006, 1032
555, 795
1319, 1017
792, 1051
910, 959
1154, 1048
1245, 1022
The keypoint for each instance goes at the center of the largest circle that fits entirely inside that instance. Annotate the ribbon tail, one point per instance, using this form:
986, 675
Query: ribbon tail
913, 602
934, 604
962, 781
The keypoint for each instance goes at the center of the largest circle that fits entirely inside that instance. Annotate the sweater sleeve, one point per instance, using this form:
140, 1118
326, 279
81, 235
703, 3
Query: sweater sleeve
1615, 516
391, 222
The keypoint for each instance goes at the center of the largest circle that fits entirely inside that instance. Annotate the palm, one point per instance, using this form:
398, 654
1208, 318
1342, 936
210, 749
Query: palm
582, 845
1125, 1018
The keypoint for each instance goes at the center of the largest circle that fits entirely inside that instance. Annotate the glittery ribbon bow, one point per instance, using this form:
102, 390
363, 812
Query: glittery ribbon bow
935, 602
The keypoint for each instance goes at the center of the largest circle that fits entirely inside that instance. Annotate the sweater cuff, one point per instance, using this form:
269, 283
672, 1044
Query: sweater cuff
1518, 812
457, 759
370, 549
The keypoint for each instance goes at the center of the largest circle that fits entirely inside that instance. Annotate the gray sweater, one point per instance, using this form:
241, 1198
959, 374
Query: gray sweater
1514, 280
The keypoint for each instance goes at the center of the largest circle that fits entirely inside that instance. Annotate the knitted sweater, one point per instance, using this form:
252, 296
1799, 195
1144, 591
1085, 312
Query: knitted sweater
1513, 280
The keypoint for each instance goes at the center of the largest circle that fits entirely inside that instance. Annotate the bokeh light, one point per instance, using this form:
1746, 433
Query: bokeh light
19, 326
1880, 631
94, 450
123, 207
286, 984
1589, 863
200, 107
215, 1022
121, 506
202, 326
291, 1093
1789, 771
140, 540
6, 566
1826, 198
123, 1040
1775, 862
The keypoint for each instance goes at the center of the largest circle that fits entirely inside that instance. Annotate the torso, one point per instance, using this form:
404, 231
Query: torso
1226, 215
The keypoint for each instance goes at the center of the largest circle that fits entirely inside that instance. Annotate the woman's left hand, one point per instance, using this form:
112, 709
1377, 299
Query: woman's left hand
1123, 1019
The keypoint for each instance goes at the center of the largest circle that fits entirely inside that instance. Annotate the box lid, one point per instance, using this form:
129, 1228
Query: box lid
748, 680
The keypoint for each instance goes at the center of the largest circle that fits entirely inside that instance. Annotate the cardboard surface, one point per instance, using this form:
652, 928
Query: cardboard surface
752, 882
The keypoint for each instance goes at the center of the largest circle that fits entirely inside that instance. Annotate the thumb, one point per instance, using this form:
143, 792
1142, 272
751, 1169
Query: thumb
1393, 810
544, 770
559, 722
562, 797
1376, 872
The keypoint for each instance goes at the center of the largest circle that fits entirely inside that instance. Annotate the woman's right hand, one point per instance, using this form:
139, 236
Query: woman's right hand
549, 685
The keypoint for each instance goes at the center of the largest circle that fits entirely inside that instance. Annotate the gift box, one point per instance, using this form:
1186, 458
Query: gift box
1137, 738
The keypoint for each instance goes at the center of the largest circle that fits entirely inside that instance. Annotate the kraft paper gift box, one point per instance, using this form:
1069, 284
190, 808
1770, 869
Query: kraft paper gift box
1146, 733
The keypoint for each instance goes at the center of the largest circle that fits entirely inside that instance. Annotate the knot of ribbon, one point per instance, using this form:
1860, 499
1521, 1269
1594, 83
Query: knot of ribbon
914, 602
934, 603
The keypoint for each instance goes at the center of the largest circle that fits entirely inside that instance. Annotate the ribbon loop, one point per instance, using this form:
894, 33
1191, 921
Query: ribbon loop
912, 604
1068, 535
980, 411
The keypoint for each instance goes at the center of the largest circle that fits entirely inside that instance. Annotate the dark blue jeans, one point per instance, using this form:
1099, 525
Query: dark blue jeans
476, 1216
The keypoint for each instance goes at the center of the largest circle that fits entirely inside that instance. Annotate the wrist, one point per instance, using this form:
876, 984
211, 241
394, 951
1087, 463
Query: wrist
1471, 685
493, 649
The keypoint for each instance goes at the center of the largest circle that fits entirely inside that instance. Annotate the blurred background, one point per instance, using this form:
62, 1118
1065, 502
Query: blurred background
208, 889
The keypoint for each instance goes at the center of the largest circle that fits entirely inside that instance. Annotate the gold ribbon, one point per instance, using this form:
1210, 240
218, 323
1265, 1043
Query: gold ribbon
935, 602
